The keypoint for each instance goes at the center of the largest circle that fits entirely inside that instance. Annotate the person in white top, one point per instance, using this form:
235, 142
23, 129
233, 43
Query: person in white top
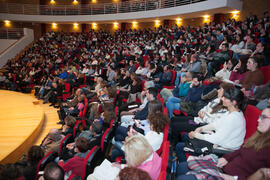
228, 132
225, 72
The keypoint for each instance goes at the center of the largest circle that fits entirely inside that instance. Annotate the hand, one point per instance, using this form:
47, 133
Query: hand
116, 164
191, 135
131, 132
201, 114
156, 79
227, 177
70, 146
132, 110
198, 130
222, 162
143, 93
225, 66
237, 81
70, 109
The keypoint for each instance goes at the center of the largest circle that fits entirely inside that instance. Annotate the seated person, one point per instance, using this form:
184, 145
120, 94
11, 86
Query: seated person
213, 111
93, 135
68, 126
225, 72
165, 79
218, 59
239, 71
75, 164
52, 141
254, 76
228, 132
244, 162
151, 94
74, 111
139, 154
194, 95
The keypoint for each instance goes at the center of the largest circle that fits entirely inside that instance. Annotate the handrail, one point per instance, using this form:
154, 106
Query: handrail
92, 9
11, 33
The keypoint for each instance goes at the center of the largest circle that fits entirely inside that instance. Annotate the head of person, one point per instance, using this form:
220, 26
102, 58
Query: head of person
242, 63
95, 128
108, 116
225, 47
234, 98
137, 150
70, 121
261, 138
53, 171
196, 79
35, 154
10, 172
78, 92
194, 57
155, 106
188, 76
253, 63
132, 173
158, 120
81, 145
55, 134
151, 93
230, 64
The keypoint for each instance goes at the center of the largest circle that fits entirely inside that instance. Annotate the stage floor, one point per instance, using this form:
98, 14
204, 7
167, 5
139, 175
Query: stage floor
21, 122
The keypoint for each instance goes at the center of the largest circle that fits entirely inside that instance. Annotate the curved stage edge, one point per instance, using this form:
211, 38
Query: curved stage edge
21, 122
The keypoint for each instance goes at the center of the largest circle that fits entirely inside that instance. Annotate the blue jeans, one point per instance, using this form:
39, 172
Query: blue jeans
181, 170
179, 149
172, 104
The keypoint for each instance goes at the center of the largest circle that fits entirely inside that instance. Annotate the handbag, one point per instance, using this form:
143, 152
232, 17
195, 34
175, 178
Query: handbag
197, 147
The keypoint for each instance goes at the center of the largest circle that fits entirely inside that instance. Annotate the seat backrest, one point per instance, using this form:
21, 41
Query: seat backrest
76, 128
44, 161
266, 73
105, 139
82, 113
165, 137
251, 115
67, 139
67, 87
162, 175
173, 76
165, 156
93, 158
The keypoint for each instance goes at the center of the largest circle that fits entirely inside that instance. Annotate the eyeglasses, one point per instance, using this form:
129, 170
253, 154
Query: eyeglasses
262, 117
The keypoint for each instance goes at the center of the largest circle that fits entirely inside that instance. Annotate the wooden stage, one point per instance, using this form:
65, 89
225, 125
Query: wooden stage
21, 122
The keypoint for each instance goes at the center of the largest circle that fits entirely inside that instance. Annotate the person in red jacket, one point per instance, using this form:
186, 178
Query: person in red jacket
75, 164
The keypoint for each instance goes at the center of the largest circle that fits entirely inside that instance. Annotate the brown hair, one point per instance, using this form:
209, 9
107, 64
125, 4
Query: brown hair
108, 116
258, 141
70, 121
132, 173
158, 121
35, 154
220, 106
82, 144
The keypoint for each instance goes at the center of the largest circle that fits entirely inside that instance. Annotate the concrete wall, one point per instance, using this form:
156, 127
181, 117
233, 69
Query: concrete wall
5, 43
17, 47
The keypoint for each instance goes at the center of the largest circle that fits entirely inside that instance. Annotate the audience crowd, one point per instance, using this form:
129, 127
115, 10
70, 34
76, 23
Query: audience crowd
196, 81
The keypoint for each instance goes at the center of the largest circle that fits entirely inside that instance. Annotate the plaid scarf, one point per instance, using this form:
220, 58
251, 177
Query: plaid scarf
204, 168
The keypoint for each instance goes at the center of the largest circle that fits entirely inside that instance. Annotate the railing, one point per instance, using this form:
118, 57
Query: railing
92, 9
11, 33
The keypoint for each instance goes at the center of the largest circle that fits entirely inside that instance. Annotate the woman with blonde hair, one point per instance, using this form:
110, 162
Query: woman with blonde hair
140, 154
